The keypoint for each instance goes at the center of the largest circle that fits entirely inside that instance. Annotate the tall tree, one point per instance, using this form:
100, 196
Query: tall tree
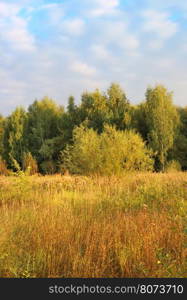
179, 151
2, 121
119, 107
138, 116
69, 120
162, 119
94, 109
14, 141
43, 128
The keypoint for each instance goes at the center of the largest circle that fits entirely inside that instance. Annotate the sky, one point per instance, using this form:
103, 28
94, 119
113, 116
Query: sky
62, 48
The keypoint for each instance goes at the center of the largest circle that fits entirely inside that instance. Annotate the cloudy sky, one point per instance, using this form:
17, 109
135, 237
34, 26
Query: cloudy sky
57, 48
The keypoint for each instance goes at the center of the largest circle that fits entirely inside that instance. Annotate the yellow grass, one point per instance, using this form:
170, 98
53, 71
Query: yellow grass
63, 226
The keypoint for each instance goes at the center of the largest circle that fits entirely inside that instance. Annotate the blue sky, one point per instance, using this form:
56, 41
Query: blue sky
58, 48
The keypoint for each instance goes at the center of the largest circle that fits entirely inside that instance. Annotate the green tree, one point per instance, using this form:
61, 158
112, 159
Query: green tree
2, 122
94, 109
162, 120
82, 157
119, 107
71, 108
179, 150
3, 167
14, 140
138, 115
183, 118
29, 164
48, 167
69, 120
43, 129
111, 152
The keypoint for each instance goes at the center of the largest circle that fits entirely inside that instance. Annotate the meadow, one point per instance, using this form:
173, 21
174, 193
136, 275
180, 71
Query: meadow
75, 226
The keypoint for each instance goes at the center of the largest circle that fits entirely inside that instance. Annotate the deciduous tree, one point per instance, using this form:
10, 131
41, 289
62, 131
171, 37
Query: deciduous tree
162, 120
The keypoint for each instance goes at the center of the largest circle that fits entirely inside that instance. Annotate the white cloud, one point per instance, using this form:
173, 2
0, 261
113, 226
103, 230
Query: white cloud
129, 42
101, 52
117, 34
167, 4
48, 6
15, 34
8, 10
111, 45
155, 44
13, 29
104, 7
73, 27
159, 23
184, 47
12, 90
55, 12
82, 68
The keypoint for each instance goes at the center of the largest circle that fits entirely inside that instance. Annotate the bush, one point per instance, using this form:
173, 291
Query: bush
173, 166
3, 167
109, 153
48, 167
29, 164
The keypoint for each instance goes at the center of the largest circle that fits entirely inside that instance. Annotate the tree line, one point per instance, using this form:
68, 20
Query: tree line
103, 134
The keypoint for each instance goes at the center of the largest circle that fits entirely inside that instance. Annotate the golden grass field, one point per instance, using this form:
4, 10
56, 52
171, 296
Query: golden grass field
71, 226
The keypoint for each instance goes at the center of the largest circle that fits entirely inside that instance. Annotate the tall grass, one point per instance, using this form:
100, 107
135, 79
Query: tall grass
63, 226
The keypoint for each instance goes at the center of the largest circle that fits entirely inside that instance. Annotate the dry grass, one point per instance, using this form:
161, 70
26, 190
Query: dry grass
62, 226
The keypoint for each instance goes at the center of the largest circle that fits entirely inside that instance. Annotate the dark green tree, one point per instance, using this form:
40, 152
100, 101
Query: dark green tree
138, 117
179, 151
2, 123
43, 129
70, 119
94, 109
119, 107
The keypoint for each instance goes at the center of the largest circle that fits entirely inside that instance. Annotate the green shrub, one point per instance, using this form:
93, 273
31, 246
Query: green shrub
29, 164
48, 167
173, 166
3, 167
109, 153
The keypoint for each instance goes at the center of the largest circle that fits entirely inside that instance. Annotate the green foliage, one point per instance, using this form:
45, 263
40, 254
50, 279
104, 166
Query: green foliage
16, 166
48, 167
94, 109
3, 167
118, 107
179, 151
138, 115
2, 120
173, 166
47, 130
69, 120
82, 157
111, 108
123, 151
43, 122
162, 120
14, 138
183, 118
109, 153
29, 164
